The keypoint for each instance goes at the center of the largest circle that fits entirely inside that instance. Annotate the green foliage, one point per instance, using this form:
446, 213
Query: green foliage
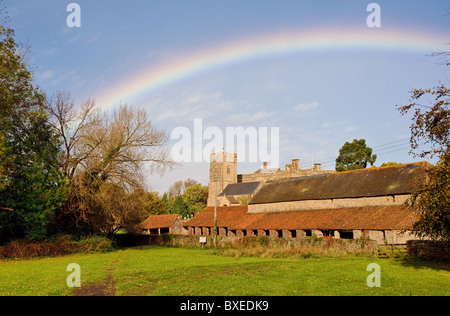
31, 185
354, 155
180, 207
157, 205
186, 197
431, 125
390, 163
432, 202
196, 197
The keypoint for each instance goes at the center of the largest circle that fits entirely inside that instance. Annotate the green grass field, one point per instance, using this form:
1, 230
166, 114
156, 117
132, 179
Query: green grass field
152, 270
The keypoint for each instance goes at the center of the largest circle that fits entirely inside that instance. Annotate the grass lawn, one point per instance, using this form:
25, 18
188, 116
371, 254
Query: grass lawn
152, 270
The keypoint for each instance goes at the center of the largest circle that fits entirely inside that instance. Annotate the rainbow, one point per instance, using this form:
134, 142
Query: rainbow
173, 70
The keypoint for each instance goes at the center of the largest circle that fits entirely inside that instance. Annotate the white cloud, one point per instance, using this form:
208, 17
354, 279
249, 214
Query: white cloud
306, 107
48, 74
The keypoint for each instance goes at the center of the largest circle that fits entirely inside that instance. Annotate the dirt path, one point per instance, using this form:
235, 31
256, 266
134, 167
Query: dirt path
105, 287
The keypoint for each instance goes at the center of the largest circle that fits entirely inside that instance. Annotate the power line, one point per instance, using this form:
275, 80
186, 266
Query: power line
381, 151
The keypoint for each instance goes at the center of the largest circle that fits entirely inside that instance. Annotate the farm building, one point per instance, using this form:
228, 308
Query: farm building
364, 203
162, 224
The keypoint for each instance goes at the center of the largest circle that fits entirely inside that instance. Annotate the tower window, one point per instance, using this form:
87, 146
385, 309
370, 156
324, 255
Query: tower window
228, 169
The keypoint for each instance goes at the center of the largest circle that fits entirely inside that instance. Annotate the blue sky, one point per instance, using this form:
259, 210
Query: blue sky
318, 99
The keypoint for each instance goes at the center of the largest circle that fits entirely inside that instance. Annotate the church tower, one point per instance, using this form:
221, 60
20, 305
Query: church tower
222, 171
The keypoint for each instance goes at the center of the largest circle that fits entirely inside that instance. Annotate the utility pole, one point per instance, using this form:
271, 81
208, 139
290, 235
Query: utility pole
216, 180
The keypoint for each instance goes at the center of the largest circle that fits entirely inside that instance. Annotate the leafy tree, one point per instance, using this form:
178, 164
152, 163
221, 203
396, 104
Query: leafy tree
156, 205
390, 163
196, 197
165, 202
431, 127
178, 188
180, 207
354, 155
31, 186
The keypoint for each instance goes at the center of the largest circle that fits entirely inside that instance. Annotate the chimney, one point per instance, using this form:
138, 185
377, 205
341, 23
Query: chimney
265, 165
317, 167
295, 164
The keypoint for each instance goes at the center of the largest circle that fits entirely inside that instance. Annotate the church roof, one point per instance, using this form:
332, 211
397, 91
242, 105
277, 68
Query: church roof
382, 181
240, 188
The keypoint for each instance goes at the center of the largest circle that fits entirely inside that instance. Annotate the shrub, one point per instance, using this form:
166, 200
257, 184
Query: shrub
61, 245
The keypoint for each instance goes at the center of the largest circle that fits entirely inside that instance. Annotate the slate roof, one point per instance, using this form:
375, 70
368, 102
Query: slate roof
159, 221
382, 181
393, 217
240, 188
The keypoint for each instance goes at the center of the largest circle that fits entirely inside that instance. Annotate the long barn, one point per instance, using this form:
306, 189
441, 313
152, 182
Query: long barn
364, 203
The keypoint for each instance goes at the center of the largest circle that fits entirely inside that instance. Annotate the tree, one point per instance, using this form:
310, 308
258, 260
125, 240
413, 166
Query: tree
156, 205
354, 155
31, 184
196, 197
390, 163
180, 207
100, 149
431, 127
178, 188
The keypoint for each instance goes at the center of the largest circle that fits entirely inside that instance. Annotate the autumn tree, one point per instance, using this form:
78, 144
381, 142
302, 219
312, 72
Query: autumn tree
104, 153
196, 197
178, 188
430, 137
354, 155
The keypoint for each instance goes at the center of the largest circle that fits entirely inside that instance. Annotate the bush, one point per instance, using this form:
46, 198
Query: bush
95, 244
57, 246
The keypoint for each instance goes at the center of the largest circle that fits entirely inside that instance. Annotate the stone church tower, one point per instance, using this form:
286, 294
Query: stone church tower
222, 171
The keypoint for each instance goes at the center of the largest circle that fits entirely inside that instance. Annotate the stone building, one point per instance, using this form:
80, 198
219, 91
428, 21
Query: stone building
163, 224
223, 174
364, 203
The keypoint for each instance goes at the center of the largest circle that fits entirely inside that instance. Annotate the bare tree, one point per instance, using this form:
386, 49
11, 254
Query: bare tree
101, 149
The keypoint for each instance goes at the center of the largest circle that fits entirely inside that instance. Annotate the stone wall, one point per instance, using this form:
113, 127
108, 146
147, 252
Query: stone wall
327, 204
282, 174
347, 245
428, 249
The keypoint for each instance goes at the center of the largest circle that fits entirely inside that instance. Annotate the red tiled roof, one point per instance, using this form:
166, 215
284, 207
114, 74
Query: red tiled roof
393, 217
226, 216
159, 221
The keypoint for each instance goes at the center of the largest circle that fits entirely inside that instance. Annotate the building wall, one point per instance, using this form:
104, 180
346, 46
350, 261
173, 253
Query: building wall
391, 237
327, 204
282, 174
222, 171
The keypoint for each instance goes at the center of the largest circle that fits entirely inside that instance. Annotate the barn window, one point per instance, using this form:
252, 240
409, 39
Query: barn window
164, 230
346, 234
308, 233
293, 233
